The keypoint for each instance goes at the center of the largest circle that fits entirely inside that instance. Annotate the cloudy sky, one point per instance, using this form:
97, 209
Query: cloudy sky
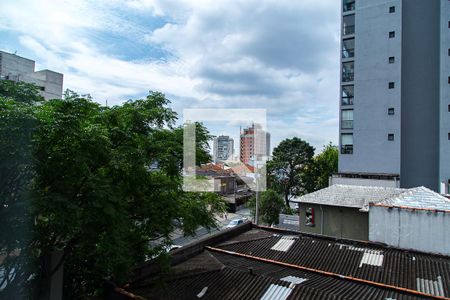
279, 55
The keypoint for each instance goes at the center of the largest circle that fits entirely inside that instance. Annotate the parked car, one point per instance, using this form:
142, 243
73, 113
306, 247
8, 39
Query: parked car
235, 222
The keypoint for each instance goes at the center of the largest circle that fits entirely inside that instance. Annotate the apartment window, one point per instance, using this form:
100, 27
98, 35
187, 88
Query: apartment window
347, 94
347, 143
448, 51
448, 24
449, 108
448, 79
348, 24
349, 5
309, 216
390, 137
392, 9
391, 59
348, 71
449, 136
348, 48
391, 111
347, 119
391, 85
392, 34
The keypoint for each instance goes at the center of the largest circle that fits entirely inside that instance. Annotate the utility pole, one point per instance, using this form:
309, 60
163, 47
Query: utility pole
257, 201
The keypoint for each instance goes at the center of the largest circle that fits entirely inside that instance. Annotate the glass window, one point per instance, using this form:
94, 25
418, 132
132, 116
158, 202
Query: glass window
347, 119
391, 111
391, 85
309, 220
392, 9
391, 34
390, 137
347, 143
349, 5
347, 94
348, 48
348, 24
391, 59
348, 71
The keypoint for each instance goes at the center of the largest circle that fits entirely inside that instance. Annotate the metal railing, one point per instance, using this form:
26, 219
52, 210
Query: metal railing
347, 101
347, 53
347, 149
349, 6
348, 29
347, 124
348, 76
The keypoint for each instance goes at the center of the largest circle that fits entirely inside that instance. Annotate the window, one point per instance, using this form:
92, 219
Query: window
448, 51
348, 24
349, 5
390, 137
449, 136
391, 34
347, 119
42, 88
449, 79
449, 108
391, 59
391, 111
391, 85
392, 9
347, 143
348, 71
309, 216
348, 48
347, 94
448, 24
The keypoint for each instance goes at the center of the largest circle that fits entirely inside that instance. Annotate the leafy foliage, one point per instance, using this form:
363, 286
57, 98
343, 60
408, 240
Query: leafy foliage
290, 160
97, 183
323, 166
271, 204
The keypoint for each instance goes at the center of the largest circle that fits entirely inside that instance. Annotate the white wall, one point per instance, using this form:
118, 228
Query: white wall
410, 229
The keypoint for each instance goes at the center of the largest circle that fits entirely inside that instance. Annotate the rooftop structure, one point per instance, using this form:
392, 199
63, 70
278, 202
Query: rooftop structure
17, 68
249, 262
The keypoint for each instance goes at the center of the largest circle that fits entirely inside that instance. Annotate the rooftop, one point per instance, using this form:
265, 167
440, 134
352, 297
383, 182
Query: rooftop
250, 262
350, 196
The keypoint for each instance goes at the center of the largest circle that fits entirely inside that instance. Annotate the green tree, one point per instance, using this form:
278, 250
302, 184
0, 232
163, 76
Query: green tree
271, 204
324, 165
90, 191
289, 161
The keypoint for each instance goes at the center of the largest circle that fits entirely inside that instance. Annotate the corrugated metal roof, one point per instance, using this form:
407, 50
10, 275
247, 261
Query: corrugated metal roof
350, 196
276, 292
284, 244
420, 197
293, 279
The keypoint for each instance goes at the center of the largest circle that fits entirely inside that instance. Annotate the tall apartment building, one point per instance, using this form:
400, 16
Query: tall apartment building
17, 68
223, 148
254, 144
395, 91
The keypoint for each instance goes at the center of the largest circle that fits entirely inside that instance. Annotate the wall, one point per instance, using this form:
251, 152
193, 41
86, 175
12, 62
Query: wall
339, 222
410, 229
52, 82
372, 152
444, 156
364, 182
15, 65
420, 94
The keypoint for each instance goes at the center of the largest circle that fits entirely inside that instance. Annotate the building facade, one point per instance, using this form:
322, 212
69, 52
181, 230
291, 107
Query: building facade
395, 83
223, 148
254, 144
17, 68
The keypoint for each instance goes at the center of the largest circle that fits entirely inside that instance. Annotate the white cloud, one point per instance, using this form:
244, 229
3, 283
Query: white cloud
279, 55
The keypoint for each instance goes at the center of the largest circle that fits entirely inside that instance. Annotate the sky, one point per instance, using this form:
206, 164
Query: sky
278, 55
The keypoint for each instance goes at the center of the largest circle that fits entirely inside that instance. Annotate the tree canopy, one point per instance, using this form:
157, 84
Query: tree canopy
271, 204
97, 183
289, 161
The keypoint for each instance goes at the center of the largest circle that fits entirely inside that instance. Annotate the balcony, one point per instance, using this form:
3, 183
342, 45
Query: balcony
347, 101
347, 149
348, 53
347, 124
348, 76
348, 29
348, 5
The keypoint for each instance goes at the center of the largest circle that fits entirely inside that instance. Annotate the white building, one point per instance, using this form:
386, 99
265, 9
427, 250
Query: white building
17, 68
223, 148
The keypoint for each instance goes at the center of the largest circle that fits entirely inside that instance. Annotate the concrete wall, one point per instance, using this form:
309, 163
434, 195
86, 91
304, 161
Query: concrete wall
420, 94
11, 64
50, 82
372, 152
444, 156
339, 222
364, 182
410, 229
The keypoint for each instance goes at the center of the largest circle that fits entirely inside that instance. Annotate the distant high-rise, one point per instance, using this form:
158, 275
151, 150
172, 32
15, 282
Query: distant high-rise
223, 148
17, 68
254, 144
395, 91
